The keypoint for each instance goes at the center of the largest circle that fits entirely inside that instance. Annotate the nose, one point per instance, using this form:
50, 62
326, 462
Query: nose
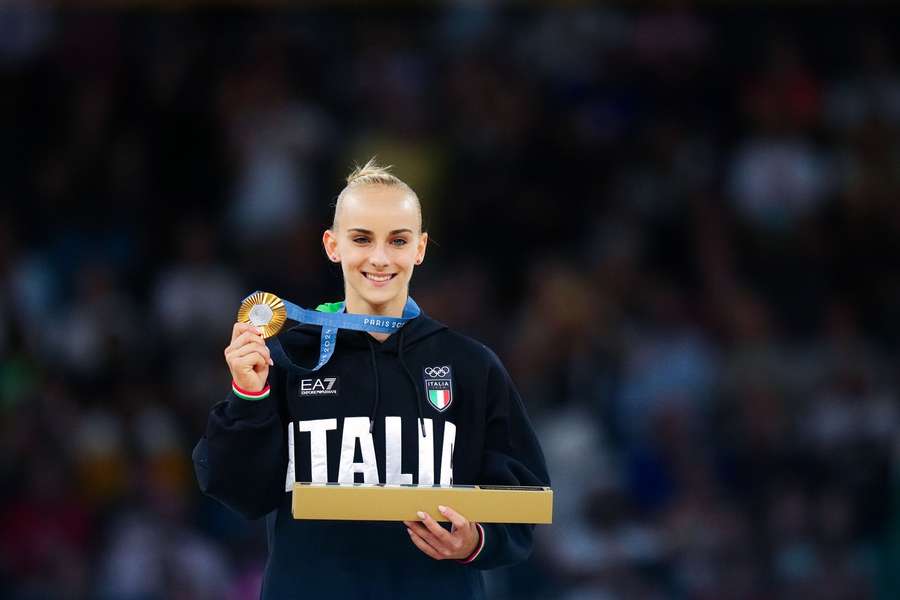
379, 258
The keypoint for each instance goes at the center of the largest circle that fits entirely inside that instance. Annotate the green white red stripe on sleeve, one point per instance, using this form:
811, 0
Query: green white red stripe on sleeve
246, 395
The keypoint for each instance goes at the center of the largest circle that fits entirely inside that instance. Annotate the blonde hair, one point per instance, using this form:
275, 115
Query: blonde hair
374, 174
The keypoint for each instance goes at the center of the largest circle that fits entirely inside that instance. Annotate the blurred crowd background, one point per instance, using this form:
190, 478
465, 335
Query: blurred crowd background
677, 226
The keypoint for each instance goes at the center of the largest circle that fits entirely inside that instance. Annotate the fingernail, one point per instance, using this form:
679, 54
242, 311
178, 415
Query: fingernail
443, 509
409, 531
421, 515
271, 362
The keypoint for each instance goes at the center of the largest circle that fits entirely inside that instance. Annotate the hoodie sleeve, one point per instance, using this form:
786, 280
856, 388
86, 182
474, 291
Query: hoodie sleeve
512, 456
242, 461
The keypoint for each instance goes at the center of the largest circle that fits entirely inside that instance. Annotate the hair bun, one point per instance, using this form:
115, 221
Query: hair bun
372, 172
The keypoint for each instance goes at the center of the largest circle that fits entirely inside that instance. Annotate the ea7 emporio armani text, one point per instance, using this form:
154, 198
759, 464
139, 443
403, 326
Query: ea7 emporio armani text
325, 386
356, 431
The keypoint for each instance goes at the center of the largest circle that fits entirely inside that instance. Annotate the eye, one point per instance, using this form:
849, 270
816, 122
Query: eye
360, 239
399, 242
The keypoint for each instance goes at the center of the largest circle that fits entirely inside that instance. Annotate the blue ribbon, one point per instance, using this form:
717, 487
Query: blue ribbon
330, 323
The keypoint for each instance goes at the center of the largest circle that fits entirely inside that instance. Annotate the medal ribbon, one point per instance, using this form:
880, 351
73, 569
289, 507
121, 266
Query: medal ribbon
330, 323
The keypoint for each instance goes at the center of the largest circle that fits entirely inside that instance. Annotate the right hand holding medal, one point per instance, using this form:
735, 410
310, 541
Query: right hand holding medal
248, 357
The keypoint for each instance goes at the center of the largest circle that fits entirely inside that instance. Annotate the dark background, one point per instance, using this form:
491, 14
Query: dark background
678, 227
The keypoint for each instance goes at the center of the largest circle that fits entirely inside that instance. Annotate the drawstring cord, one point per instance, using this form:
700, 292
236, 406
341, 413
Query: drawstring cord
377, 385
412, 380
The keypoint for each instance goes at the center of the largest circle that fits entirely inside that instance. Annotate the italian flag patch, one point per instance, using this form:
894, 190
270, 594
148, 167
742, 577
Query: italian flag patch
439, 399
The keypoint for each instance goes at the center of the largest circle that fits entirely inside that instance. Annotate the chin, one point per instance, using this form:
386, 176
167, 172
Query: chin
379, 299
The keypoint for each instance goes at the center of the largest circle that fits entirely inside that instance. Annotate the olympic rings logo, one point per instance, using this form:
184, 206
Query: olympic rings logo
437, 371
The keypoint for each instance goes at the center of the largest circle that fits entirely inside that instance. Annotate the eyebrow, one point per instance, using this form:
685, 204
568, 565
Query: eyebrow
366, 231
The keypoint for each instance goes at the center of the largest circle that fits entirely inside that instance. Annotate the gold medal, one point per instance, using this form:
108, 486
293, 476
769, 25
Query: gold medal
264, 311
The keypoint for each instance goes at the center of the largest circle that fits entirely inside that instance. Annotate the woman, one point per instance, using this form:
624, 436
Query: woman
423, 405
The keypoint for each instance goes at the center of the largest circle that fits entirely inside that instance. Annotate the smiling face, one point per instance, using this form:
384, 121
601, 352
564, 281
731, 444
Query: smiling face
377, 237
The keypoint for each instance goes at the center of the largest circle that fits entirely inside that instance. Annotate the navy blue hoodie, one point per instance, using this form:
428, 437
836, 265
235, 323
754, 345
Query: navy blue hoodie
427, 405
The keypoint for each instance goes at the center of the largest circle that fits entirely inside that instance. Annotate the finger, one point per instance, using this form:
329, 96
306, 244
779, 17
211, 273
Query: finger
250, 360
418, 528
240, 328
235, 351
249, 336
424, 533
245, 338
423, 545
421, 530
246, 351
459, 521
252, 347
446, 540
257, 341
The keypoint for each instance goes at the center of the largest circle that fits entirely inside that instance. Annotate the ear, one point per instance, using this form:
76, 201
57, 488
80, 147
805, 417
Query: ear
420, 250
329, 242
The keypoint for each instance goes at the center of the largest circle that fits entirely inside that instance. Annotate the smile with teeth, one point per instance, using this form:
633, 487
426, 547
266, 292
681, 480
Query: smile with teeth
379, 277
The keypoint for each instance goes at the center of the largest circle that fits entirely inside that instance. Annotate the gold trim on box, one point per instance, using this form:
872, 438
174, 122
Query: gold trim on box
265, 311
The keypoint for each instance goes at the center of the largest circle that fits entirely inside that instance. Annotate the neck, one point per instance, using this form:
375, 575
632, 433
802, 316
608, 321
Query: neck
358, 306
